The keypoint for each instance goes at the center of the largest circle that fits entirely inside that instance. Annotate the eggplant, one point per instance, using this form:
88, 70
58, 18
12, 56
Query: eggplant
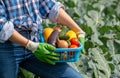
53, 38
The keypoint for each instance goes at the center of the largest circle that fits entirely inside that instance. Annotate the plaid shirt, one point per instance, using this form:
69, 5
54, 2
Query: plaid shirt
27, 14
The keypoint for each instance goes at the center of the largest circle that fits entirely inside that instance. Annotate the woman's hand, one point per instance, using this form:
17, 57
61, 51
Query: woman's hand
81, 37
43, 51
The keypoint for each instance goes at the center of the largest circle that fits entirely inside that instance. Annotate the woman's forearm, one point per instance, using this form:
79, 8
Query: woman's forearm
18, 38
65, 19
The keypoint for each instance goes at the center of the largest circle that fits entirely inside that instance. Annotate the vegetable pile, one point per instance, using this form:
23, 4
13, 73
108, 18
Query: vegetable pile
62, 37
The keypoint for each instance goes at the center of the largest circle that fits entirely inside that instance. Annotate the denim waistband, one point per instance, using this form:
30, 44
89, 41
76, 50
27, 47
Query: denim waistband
14, 49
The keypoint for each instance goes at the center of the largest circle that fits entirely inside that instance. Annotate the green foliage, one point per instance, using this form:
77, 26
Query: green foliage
25, 74
100, 19
69, 3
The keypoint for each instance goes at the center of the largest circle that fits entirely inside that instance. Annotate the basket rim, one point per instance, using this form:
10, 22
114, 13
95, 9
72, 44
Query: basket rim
69, 49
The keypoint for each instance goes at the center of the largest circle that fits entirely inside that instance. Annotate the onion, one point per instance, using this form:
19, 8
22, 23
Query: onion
62, 44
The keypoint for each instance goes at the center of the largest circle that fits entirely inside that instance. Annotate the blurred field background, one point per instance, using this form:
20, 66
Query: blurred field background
100, 19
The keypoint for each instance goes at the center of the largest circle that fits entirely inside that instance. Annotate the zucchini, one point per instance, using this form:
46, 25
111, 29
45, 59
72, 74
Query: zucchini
64, 37
63, 31
62, 34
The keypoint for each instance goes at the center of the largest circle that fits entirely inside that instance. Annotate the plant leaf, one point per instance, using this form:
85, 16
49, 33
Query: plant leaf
100, 65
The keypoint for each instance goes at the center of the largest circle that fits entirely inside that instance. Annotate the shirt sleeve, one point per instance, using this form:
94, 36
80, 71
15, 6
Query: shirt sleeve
49, 9
6, 27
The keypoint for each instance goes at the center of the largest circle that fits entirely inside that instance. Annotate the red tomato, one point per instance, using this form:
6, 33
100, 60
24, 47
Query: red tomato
73, 46
72, 52
74, 41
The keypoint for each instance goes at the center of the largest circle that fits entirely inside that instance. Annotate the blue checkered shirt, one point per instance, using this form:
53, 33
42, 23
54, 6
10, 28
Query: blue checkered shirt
25, 15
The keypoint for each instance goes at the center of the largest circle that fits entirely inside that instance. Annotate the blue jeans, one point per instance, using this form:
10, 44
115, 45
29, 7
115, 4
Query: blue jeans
13, 55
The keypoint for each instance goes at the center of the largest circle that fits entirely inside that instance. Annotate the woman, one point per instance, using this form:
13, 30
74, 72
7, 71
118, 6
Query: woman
20, 23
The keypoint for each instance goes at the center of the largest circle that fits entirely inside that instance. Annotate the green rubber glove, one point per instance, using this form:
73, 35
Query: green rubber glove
81, 38
43, 51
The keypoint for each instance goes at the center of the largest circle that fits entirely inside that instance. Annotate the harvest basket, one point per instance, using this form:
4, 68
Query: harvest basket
69, 54
66, 54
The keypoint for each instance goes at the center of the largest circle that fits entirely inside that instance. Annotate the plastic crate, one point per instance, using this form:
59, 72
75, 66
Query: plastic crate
69, 54
66, 54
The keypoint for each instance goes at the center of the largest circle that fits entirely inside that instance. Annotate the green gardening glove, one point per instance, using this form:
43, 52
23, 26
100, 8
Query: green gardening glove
81, 38
43, 51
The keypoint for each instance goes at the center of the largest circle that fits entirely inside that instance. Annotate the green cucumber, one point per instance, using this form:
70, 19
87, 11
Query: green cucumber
64, 37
